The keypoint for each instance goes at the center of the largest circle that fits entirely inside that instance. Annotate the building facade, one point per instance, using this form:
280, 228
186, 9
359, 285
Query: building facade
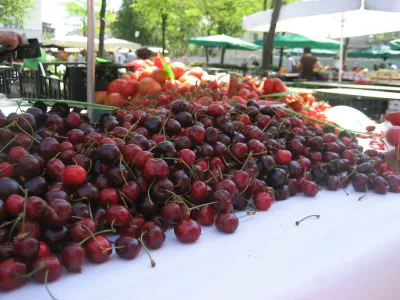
32, 24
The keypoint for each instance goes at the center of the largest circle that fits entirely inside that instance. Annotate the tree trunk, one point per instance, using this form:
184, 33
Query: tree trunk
222, 55
163, 27
102, 27
206, 50
269, 41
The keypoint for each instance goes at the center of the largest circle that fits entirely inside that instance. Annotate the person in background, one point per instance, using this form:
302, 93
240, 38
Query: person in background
307, 64
63, 55
244, 66
130, 56
289, 63
392, 67
355, 68
71, 58
376, 68
79, 57
144, 53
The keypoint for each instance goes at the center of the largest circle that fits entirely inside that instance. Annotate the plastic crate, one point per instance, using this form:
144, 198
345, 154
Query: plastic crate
10, 82
72, 85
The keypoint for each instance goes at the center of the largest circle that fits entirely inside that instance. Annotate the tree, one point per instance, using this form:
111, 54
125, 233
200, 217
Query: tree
12, 11
102, 27
78, 9
157, 12
226, 16
268, 44
129, 22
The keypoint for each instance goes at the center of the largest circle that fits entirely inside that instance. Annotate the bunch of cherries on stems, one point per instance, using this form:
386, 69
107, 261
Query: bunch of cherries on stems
66, 184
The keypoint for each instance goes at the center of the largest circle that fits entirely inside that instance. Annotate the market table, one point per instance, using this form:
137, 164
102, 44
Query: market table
349, 253
349, 92
322, 84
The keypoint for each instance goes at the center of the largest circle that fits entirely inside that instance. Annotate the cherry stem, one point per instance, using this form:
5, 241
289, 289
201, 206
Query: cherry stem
366, 192
343, 188
23, 276
97, 233
247, 159
128, 168
5, 224
298, 222
201, 205
15, 222
148, 191
46, 277
8, 144
163, 125
248, 184
152, 262
248, 214
92, 236
122, 173
229, 150
179, 198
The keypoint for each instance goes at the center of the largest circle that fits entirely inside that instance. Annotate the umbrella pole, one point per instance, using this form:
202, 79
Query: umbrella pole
206, 50
90, 56
341, 49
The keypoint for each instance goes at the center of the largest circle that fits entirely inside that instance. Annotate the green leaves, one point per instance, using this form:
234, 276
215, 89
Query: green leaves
166, 67
13, 12
275, 95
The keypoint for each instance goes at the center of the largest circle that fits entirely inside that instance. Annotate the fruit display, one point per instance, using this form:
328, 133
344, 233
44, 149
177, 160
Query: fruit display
67, 184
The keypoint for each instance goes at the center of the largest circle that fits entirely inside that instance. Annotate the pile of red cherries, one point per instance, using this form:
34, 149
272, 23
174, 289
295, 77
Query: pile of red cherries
66, 184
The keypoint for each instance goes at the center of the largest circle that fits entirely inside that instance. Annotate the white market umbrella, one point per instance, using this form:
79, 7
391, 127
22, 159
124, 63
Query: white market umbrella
333, 19
69, 41
114, 44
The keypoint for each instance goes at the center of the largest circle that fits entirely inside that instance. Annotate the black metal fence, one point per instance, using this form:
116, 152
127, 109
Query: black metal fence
59, 80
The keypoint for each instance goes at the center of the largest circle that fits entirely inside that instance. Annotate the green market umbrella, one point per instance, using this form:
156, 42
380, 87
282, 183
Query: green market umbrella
222, 41
32, 63
299, 41
395, 45
315, 52
375, 52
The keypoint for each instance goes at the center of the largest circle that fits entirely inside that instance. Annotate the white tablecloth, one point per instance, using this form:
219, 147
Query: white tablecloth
351, 252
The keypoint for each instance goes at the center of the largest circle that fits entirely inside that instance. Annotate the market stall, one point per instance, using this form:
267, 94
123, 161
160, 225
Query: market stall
169, 182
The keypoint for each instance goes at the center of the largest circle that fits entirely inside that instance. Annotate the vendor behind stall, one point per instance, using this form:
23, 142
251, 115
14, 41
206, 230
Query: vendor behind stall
144, 53
307, 64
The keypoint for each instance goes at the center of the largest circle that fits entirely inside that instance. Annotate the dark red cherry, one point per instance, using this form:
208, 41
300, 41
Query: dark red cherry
81, 230
153, 235
127, 247
262, 201
25, 247
49, 264
73, 257
227, 223
8, 269
99, 250
187, 231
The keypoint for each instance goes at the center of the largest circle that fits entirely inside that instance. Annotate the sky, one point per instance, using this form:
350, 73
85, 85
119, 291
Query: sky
53, 12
